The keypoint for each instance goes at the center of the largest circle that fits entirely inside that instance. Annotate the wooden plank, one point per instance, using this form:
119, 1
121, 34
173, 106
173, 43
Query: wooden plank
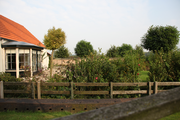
161, 91
131, 84
130, 92
91, 92
1, 90
55, 84
149, 86
91, 84
155, 87
38, 90
16, 83
168, 83
15, 91
55, 92
111, 90
72, 93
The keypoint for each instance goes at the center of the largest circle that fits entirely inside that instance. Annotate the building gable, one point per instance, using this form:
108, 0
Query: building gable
14, 31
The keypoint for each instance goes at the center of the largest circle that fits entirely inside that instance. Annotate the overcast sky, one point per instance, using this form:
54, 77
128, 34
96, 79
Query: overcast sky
101, 22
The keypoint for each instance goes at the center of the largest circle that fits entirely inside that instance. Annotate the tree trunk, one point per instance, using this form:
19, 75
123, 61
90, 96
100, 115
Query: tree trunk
51, 66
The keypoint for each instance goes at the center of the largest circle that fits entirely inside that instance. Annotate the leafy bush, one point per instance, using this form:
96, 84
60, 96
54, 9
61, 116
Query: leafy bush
62, 52
124, 49
164, 67
6, 77
112, 52
99, 68
83, 48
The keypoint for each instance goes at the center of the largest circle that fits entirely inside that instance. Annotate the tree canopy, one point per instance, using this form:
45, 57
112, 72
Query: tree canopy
160, 37
83, 48
53, 40
62, 52
124, 48
112, 52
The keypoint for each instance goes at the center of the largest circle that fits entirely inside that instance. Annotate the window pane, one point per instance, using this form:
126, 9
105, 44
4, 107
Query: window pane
8, 58
13, 57
13, 65
26, 57
9, 66
21, 57
21, 65
34, 63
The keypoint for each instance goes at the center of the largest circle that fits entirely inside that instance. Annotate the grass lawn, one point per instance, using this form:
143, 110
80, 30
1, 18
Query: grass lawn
175, 116
143, 75
13, 115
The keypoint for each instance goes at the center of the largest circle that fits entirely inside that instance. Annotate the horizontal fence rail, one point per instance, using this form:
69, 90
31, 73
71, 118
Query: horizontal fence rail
38, 88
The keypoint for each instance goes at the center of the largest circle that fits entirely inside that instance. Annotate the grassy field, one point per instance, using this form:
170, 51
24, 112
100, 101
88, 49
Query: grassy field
175, 116
143, 75
12, 115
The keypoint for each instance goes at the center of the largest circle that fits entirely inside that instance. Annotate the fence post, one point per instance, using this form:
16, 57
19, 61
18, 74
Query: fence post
33, 90
72, 94
38, 90
149, 83
111, 89
1, 90
155, 87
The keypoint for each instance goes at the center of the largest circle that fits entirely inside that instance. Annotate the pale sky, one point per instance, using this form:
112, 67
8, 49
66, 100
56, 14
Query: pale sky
101, 22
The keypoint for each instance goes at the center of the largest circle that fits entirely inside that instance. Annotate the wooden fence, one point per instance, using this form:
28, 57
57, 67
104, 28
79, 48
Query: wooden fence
36, 88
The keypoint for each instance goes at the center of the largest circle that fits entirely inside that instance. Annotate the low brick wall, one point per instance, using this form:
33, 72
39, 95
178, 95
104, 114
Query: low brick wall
49, 105
147, 108
63, 61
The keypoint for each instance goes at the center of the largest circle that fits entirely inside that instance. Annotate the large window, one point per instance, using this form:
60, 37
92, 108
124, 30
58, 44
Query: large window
34, 60
23, 58
39, 59
10, 59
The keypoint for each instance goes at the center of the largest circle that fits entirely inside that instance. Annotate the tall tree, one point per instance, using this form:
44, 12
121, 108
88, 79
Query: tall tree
83, 48
62, 52
112, 52
138, 49
160, 37
53, 40
124, 48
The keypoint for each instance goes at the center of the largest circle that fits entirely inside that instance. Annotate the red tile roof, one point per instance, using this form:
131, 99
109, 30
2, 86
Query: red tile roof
14, 31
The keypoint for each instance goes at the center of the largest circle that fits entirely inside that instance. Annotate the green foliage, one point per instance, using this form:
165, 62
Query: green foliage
30, 115
54, 38
112, 52
160, 37
164, 67
97, 68
62, 52
139, 50
83, 48
55, 78
6, 77
124, 48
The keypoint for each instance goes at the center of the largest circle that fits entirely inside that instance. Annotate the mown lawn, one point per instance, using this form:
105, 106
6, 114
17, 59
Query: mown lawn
13, 115
175, 116
143, 75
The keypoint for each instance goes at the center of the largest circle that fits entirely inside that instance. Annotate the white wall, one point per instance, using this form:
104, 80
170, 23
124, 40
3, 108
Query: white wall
45, 61
2, 57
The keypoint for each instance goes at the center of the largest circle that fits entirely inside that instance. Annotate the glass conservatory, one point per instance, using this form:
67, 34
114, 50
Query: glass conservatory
20, 56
